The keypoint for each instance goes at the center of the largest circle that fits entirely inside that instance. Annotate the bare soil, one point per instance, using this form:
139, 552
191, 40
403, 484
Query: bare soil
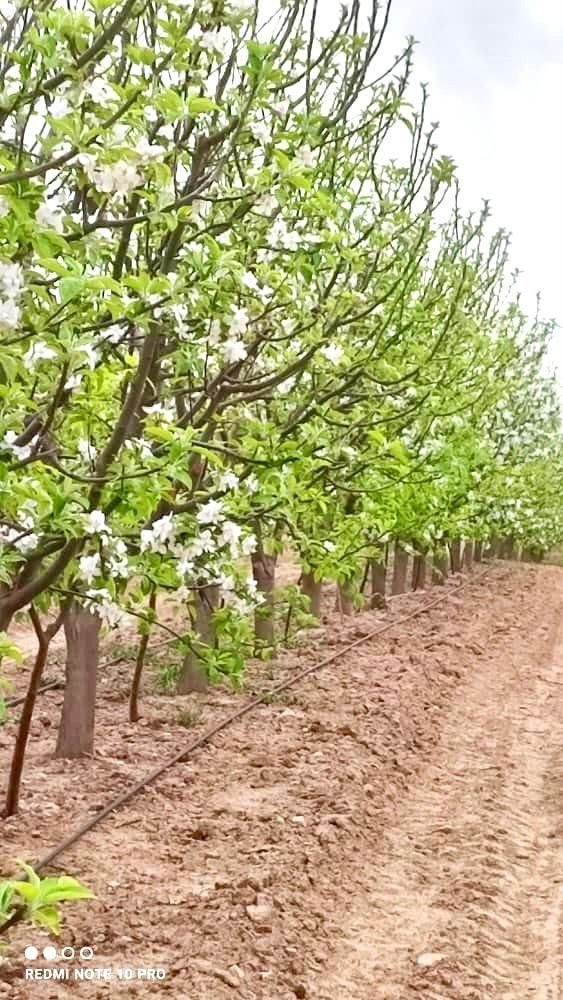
391, 828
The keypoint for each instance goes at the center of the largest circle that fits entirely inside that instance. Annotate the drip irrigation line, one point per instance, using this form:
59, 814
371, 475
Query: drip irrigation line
229, 720
48, 686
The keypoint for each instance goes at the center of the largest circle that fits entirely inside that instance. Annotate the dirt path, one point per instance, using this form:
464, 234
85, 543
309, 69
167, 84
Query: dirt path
465, 898
390, 830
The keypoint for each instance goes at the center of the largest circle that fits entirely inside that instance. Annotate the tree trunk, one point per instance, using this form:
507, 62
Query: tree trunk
139, 664
76, 730
507, 548
345, 597
419, 571
313, 590
494, 547
455, 555
468, 556
14, 782
400, 566
440, 566
264, 572
378, 579
193, 675
478, 552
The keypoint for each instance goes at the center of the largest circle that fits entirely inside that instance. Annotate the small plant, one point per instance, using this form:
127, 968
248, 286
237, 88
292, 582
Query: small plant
293, 615
166, 676
187, 717
39, 898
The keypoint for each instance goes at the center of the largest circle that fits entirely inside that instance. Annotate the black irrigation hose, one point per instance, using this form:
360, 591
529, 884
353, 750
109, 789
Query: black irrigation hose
125, 796
48, 686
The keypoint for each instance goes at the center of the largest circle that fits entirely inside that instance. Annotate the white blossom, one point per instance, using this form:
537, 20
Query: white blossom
91, 354
73, 382
238, 322
281, 108
39, 351
250, 280
220, 42
9, 314
333, 353
99, 91
305, 156
204, 542
228, 481
185, 565
281, 234
211, 512
101, 604
266, 204
86, 450
113, 334
95, 523
26, 543
11, 279
230, 535
249, 545
234, 350
148, 152
125, 177
159, 536
89, 567
22, 451
115, 178
49, 216
4, 207
261, 133
252, 483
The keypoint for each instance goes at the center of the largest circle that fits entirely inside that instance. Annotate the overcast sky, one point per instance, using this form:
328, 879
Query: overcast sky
495, 72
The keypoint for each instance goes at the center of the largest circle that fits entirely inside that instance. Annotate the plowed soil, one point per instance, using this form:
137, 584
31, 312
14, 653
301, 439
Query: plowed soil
389, 829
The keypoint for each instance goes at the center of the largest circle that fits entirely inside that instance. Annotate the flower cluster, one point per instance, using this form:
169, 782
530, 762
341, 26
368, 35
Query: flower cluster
11, 288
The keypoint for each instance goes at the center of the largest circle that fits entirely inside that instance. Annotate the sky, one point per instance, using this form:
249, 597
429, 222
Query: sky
495, 74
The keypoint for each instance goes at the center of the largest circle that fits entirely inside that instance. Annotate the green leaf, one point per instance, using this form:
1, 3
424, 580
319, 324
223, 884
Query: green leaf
27, 891
55, 890
138, 53
200, 105
70, 288
171, 105
31, 874
300, 181
49, 917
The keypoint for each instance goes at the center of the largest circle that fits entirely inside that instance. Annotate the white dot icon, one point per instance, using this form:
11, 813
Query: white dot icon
49, 953
31, 953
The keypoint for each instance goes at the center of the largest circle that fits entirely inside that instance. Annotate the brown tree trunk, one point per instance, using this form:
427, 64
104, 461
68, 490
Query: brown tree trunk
455, 555
478, 552
494, 548
507, 548
468, 556
264, 572
345, 597
419, 571
76, 729
139, 664
313, 590
440, 565
193, 675
400, 566
378, 580
18, 756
